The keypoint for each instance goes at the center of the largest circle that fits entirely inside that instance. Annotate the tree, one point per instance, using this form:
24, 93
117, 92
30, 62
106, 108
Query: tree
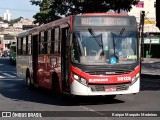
54, 9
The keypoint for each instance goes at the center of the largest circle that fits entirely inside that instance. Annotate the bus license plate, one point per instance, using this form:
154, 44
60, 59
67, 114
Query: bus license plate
107, 89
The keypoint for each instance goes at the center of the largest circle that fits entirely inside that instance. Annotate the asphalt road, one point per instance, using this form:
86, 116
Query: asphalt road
14, 96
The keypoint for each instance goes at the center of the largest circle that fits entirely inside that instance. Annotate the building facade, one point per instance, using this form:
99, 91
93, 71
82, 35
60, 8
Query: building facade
7, 16
8, 34
3, 25
151, 32
23, 22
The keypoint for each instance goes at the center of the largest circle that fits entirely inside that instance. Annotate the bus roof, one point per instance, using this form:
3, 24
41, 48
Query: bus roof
24, 33
57, 23
103, 14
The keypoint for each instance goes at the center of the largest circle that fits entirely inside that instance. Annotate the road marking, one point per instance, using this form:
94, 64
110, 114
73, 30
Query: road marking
9, 75
91, 110
15, 73
2, 77
17, 79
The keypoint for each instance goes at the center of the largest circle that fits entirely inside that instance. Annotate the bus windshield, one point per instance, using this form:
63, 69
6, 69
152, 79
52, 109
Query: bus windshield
109, 47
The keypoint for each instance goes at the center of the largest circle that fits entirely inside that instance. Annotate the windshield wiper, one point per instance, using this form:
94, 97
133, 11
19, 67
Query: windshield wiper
115, 42
121, 32
99, 42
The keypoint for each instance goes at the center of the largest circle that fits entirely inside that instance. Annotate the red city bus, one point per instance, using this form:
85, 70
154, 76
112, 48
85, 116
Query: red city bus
86, 55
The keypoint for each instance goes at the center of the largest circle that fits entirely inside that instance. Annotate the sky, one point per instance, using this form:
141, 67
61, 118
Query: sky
18, 8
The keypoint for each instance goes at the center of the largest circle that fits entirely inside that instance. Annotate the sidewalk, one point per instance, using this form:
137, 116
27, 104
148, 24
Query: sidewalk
150, 68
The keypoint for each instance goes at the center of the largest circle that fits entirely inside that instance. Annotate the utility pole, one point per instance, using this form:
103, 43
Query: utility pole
158, 13
141, 29
142, 15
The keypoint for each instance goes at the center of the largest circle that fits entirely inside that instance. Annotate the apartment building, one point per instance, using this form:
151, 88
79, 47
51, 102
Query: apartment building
7, 16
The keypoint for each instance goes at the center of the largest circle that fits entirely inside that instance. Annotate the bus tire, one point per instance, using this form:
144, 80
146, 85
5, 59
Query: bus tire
56, 87
28, 81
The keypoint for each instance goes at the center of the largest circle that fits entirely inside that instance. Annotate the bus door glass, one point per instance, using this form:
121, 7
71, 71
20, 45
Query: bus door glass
65, 57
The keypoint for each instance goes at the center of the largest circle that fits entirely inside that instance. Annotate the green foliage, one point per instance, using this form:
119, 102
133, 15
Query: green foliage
54, 9
6, 21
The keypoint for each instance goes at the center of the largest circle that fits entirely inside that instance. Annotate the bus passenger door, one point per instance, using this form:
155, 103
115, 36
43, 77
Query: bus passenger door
65, 60
35, 57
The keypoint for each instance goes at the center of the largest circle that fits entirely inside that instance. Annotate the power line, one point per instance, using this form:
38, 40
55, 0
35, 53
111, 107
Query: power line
19, 10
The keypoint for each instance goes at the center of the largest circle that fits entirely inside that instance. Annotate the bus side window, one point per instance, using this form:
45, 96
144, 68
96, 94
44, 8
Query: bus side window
45, 42
41, 43
57, 41
29, 45
19, 46
24, 46
52, 41
49, 42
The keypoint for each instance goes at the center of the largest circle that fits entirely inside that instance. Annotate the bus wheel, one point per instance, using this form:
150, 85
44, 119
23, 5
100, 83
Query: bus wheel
56, 87
28, 82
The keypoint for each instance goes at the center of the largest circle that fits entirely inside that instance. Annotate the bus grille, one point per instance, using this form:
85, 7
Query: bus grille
107, 69
108, 72
103, 87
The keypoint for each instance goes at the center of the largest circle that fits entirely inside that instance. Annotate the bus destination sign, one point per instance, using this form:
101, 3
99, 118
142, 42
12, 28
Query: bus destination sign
104, 21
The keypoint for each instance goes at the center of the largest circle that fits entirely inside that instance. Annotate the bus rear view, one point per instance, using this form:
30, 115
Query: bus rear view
105, 56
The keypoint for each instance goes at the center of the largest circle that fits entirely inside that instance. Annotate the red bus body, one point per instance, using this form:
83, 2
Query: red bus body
45, 55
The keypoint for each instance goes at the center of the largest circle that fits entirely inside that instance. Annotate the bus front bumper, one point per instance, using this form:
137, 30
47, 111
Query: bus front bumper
94, 90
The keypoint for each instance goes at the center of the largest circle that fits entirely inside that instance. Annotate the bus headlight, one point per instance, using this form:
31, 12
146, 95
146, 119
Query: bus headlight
83, 81
80, 79
135, 78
